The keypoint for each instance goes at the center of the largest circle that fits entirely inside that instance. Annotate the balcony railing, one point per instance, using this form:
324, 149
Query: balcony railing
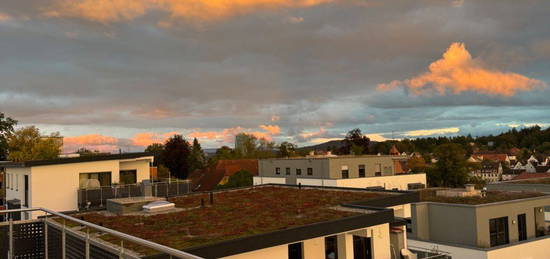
46, 237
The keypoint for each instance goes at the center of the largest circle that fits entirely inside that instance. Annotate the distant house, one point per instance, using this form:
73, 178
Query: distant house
54, 183
489, 171
491, 156
207, 179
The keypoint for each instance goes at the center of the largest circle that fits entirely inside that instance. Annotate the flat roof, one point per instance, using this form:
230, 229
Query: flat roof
70, 160
253, 218
428, 195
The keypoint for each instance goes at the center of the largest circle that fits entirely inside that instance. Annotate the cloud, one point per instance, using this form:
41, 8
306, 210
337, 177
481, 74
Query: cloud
457, 72
147, 138
308, 135
228, 135
524, 124
294, 19
91, 141
376, 137
275, 118
430, 132
106, 11
272, 129
4, 17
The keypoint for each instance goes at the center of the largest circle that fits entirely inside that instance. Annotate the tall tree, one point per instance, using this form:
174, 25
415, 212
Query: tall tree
416, 164
355, 141
451, 168
157, 149
7, 125
176, 156
27, 144
197, 159
225, 152
287, 149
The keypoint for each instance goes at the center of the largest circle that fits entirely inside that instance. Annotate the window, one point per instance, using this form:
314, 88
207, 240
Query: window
295, 251
88, 180
522, 227
128, 177
298, 171
331, 247
310, 171
345, 172
277, 170
378, 170
287, 171
498, 231
362, 248
362, 171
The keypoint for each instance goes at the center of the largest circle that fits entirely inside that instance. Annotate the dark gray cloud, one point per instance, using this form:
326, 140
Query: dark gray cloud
314, 67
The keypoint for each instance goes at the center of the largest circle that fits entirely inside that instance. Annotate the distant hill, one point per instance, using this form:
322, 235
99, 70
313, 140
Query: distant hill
331, 145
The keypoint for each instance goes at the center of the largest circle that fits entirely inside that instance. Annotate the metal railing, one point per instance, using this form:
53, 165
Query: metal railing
122, 253
97, 197
425, 253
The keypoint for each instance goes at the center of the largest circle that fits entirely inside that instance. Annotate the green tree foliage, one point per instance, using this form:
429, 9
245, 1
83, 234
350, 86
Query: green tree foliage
197, 159
451, 168
7, 125
86, 152
176, 156
287, 149
157, 149
27, 144
417, 164
252, 147
355, 141
225, 152
240, 179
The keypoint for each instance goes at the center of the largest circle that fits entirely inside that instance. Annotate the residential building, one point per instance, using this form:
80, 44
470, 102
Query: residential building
489, 171
488, 225
492, 156
54, 183
381, 171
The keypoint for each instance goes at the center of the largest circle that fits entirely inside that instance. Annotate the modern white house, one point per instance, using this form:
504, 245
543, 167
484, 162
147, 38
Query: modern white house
54, 183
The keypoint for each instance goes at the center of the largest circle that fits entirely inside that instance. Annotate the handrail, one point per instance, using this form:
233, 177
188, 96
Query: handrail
133, 239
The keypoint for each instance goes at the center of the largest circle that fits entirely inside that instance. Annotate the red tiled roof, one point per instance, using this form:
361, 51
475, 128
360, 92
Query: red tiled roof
493, 157
531, 176
208, 178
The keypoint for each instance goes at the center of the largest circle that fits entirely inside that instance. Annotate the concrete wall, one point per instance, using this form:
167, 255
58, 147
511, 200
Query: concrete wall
319, 165
370, 163
457, 252
142, 167
257, 180
469, 224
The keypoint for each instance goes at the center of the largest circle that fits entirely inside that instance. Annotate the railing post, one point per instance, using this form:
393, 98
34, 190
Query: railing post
129, 191
87, 243
121, 252
46, 235
11, 255
177, 187
100, 196
63, 241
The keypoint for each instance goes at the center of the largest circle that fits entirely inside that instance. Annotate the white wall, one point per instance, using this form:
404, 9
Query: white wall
389, 182
315, 248
535, 249
15, 180
142, 168
258, 180
317, 182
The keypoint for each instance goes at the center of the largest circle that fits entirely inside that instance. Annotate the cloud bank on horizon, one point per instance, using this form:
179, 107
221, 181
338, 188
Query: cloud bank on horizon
112, 74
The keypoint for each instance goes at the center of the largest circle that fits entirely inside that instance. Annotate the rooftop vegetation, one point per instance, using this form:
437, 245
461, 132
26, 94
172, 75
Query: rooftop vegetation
490, 197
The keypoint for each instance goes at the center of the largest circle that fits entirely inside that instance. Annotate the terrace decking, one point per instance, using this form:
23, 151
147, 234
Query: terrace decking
244, 213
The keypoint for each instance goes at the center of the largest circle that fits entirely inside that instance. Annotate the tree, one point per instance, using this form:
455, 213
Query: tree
7, 125
416, 164
240, 179
176, 156
197, 159
225, 152
287, 149
157, 149
27, 144
451, 169
357, 142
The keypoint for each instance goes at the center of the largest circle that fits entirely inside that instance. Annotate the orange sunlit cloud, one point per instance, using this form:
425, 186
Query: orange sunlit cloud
457, 72
147, 138
91, 141
228, 135
204, 10
272, 129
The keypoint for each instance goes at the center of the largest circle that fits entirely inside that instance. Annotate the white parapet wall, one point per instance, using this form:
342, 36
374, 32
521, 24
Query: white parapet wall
536, 248
258, 180
399, 182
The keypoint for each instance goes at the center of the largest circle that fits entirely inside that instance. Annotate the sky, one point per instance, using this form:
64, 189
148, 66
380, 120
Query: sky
122, 74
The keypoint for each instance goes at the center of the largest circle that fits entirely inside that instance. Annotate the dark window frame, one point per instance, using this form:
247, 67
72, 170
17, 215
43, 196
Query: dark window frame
331, 247
522, 227
296, 251
298, 171
498, 231
131, 175
287, 170
277, 170
310, 171
362, 171
345, 173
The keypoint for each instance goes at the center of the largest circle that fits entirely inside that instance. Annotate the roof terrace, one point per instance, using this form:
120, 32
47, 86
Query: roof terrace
429, 195
242, 213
